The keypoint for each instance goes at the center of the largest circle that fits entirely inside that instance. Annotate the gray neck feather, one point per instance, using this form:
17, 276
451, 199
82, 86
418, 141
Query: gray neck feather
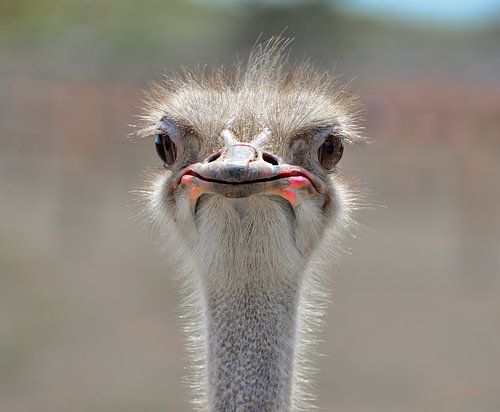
251, 332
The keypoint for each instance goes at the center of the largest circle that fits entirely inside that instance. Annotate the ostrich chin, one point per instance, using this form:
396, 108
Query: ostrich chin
253, 219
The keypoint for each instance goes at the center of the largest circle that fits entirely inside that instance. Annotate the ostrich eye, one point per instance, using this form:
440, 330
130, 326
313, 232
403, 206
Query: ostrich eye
165, 148
330, 152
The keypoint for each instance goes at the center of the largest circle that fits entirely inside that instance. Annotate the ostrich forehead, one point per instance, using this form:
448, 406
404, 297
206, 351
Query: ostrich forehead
262, 94
248, 111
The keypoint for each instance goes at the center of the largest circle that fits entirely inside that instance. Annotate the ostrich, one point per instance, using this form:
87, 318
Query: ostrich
250, 207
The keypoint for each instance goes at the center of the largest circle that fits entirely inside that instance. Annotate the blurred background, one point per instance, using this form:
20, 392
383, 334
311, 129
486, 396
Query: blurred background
88, 317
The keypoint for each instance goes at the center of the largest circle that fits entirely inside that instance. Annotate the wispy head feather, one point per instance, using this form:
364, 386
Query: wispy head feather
265, 92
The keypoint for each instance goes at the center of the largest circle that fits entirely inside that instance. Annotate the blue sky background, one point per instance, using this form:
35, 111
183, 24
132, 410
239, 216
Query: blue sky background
440, 12
454, 12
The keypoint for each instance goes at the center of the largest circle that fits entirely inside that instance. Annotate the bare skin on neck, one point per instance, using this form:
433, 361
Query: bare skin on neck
251, 207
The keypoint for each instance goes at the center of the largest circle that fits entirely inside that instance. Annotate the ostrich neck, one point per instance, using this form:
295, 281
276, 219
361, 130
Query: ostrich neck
251, 315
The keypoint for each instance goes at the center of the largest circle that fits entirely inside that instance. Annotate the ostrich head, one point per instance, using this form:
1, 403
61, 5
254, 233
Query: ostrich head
251, 203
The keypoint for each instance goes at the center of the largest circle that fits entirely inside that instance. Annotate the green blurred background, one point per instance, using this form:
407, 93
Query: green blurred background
87, 309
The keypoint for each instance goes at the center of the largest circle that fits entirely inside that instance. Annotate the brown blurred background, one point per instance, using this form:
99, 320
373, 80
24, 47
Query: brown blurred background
87, 309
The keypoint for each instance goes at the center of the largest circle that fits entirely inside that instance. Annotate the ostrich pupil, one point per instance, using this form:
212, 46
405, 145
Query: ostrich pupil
330, 152
165, 148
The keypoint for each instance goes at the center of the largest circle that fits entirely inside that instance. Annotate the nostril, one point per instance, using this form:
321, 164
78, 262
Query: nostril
213, 157
269, 158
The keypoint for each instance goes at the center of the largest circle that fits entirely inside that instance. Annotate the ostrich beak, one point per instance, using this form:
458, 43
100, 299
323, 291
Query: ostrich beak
242, 170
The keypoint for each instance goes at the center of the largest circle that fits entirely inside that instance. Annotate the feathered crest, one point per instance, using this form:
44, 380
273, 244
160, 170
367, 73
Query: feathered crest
266, 91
